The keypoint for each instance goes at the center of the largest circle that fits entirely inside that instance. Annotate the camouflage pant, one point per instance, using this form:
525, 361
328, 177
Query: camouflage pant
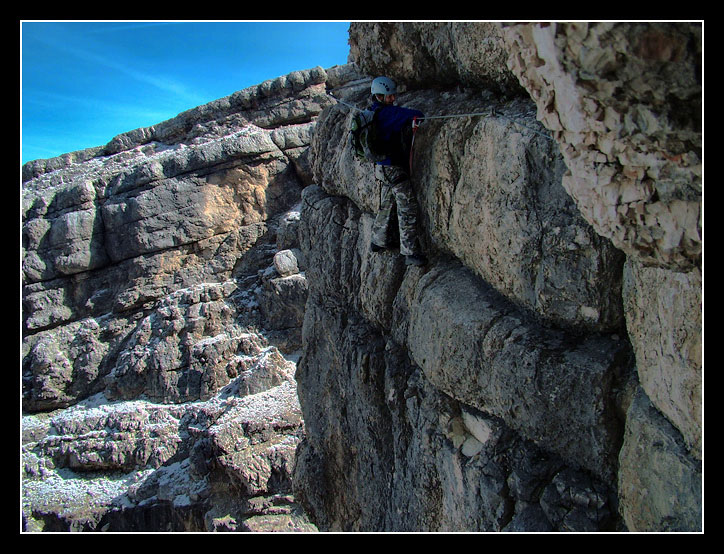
396, 196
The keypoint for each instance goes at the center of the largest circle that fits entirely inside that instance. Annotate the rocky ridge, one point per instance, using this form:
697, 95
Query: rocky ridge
163, 293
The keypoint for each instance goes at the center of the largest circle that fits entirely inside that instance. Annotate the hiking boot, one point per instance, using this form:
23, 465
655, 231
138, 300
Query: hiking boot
416, 259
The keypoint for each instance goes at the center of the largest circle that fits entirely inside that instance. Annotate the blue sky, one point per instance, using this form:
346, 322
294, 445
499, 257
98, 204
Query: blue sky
85, 82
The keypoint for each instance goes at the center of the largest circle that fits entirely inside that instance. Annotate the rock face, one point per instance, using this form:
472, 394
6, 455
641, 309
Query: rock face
543, 372
160, 333
624, 102
210, 344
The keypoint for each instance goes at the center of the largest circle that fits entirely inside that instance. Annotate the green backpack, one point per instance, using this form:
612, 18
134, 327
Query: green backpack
365, 141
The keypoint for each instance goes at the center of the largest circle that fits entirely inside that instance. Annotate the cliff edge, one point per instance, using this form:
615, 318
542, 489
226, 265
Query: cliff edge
163, 294
543, 372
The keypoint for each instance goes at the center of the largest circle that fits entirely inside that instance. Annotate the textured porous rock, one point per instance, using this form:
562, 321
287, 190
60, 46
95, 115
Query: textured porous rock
624, 102
158, 377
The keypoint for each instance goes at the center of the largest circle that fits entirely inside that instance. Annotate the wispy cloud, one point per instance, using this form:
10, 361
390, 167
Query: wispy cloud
103, 109
89, 52
130, 26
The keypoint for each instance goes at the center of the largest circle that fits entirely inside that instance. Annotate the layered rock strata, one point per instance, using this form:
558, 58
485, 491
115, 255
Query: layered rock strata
163, 295
544, 371
624, 101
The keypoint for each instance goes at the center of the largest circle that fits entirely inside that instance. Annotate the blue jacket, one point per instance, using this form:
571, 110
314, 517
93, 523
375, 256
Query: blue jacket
391, 122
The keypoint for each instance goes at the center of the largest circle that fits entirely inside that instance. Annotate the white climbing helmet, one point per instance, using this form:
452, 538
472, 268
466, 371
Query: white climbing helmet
383, 85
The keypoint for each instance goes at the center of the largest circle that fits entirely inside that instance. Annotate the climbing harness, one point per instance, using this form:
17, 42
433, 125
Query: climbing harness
415, 125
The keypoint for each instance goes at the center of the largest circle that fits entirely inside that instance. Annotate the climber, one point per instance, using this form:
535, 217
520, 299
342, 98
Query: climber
394, 125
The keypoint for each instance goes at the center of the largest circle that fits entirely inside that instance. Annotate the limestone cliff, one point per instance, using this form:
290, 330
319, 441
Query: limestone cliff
163, 295
544, 371
210, 344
